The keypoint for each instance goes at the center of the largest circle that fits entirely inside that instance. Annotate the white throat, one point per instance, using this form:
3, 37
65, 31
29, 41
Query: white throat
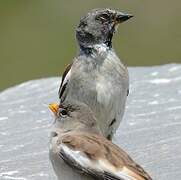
100, 51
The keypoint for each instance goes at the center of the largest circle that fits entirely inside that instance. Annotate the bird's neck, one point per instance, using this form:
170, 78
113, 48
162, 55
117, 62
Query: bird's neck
61, 131
91, 130
95, 50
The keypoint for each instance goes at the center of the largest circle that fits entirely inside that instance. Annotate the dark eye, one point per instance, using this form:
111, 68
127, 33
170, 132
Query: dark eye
63, 112
103, 17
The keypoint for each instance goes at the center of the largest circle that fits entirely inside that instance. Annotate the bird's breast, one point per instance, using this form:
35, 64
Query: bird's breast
101, 85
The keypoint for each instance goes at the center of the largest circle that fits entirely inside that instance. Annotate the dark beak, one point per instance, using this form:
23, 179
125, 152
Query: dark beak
121, 17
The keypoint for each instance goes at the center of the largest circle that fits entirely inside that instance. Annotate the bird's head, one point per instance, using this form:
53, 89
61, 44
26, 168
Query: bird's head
98, 27
72, 116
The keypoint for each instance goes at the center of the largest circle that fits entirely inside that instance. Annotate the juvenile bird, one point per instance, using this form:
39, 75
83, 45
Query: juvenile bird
97, 77
79, 151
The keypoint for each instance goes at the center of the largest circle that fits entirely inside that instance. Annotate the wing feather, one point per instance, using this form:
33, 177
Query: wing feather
64, 82
81, 164
95, 156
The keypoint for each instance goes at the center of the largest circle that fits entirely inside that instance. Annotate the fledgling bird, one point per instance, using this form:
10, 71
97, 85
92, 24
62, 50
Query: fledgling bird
97, 77
79, 151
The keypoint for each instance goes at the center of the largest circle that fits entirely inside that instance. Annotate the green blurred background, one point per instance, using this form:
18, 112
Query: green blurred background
37, 37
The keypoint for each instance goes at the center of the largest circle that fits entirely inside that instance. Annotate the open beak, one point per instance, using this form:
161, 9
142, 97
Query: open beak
54, 107
121, 17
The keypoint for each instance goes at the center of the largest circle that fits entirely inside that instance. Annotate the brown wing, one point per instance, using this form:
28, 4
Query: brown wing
96, 147
63, 83
96, 174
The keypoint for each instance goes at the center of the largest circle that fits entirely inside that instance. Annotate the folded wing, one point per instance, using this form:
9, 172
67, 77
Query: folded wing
95, 156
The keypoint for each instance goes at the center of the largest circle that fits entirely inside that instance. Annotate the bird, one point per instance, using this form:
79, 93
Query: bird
79, 151
97, 77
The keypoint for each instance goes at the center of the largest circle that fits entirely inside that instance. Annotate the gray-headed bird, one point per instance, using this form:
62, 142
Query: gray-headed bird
97, 77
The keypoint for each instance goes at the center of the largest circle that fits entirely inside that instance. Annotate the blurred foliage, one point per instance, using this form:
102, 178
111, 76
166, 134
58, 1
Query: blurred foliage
37, 37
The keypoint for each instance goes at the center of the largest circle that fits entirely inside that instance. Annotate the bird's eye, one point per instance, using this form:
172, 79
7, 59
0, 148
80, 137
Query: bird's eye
63, 112
103, 17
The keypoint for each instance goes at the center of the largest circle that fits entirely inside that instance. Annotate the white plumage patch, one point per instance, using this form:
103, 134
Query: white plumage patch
80, 158
67, 77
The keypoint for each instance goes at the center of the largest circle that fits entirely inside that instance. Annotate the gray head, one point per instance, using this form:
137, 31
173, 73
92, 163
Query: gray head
72, 115
98, 27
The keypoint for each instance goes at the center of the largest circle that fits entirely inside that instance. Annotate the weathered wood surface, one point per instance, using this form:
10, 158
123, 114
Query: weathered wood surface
150, 131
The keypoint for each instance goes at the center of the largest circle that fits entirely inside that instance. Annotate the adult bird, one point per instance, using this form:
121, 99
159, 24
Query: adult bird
79, 151
97, 77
